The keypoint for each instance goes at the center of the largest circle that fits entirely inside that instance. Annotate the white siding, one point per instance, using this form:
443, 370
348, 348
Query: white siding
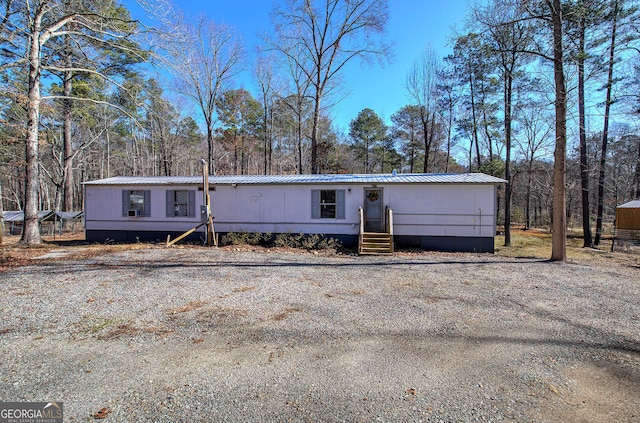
103, 210
278, 209
443, 210
419, 209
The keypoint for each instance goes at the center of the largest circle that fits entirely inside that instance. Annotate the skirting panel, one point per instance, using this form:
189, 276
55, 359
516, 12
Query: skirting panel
446, 243
433, 243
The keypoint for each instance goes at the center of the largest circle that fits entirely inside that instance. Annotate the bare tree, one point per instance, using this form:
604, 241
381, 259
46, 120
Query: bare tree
422, 85
534, 140
266, 79
297, 101
204, 59
605, 129
509, 38
28, 32
329, 34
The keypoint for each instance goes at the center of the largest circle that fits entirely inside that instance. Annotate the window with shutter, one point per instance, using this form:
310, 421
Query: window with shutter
181, 203
327, 204
136, 203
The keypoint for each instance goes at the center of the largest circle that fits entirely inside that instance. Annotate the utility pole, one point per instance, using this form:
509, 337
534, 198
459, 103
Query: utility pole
205, 211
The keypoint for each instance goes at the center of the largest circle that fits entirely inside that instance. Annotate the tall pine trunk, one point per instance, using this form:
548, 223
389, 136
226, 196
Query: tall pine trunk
605, 130
475, 120
67, 151
31, 229
584, 162
507, 165
559, 202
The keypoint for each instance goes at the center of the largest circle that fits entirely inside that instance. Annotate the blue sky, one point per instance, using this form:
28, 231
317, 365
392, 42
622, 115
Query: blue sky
413, 25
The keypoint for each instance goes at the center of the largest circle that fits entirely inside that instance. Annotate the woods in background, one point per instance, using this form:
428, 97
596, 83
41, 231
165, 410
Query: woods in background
88, 93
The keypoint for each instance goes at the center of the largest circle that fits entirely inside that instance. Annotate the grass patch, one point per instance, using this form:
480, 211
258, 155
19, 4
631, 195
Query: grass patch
536, 244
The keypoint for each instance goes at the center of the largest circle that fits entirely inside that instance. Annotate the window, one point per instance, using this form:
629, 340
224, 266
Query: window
136, 203
181, 203
327, 204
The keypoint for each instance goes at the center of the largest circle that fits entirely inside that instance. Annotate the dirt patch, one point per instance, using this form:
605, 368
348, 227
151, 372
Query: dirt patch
600, 391
178, 335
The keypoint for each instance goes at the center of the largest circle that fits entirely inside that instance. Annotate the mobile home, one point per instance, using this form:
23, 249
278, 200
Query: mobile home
449, 212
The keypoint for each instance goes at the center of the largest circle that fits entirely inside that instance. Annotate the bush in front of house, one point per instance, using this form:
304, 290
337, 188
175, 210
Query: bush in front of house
284, 240
246, 238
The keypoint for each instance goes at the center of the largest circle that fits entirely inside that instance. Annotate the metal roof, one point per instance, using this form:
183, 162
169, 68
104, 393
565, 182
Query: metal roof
18, 216
400, 178
43, 215
630, 205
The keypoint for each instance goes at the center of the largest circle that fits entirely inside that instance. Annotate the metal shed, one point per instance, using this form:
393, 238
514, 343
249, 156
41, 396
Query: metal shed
627, 229
628, 216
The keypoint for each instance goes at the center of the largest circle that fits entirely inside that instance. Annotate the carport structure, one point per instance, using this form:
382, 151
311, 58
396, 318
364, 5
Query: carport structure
15, 219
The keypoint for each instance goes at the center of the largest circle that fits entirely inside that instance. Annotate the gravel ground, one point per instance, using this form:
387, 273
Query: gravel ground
194, 334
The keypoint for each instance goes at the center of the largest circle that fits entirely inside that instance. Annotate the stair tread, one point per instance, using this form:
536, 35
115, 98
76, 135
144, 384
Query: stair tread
376, 243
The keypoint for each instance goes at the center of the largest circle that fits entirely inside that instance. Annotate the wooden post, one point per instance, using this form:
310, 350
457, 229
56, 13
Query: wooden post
206, 200
207, 222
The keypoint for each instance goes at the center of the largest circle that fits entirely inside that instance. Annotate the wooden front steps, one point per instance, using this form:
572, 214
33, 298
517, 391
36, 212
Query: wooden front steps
376, 243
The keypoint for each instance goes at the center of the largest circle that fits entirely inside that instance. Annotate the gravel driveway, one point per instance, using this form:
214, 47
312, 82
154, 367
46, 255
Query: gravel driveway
194, 334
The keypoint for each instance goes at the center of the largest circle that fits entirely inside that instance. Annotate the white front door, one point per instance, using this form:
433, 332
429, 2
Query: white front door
373, 216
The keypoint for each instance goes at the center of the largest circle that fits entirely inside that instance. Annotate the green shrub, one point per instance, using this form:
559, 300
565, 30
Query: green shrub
282, 240
247, 238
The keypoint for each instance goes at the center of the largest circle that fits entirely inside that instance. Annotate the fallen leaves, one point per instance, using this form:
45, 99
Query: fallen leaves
102, 414
190, 306
285, 313
243, 289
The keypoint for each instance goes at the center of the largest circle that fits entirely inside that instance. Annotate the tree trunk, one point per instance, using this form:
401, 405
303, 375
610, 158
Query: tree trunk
31, 229
605, 130
424, 115
271, 143
559, 247
507, 167
584, 163
314, 137
527, 224
475, 123
299, 136
67, 151
210, 148
638, 173
265, 135
1, 214
446, 165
